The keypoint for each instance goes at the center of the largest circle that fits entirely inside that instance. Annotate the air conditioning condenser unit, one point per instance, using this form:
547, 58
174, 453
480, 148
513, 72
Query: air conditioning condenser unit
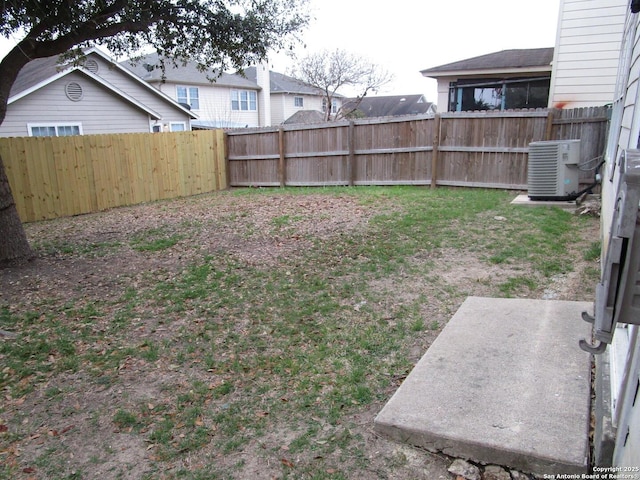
553, 172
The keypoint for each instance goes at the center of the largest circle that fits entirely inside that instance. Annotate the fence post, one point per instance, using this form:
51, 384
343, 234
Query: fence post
434, 152
351, 160
549, 130
282, 167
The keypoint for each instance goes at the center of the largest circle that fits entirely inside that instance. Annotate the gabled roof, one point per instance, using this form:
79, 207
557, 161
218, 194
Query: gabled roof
148, 68
392, 105
533, 59
280, 83
152, 113
41, 72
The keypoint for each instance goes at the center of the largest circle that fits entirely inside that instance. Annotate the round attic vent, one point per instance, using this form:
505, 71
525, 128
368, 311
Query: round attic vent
73, 91
91, 65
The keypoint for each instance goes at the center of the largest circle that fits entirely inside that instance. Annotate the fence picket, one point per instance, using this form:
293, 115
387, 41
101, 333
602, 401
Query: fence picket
52, 177
487, 149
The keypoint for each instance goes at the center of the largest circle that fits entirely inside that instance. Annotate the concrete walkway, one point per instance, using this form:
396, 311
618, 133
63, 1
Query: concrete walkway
505, 383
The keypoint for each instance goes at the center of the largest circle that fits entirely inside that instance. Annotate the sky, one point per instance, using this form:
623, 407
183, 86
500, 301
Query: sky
406, 36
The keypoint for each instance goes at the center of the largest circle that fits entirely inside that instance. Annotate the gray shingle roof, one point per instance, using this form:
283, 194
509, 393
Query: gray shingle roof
148, 68
35, 72
280, 83
505, 59
41, 70
306, 117
391, 105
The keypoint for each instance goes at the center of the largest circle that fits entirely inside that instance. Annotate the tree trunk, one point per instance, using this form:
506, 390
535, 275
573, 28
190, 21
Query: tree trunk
14, 247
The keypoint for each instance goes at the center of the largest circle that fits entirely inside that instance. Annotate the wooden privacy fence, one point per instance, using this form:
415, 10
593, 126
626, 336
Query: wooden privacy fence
59, 176
479, 149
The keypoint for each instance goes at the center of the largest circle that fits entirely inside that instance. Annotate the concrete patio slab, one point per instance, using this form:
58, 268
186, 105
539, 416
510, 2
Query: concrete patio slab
526, 201
505, 383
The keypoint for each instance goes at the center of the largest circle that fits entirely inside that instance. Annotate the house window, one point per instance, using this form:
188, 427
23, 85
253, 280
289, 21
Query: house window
169, 127
298, 101
244, 100
334, 105
498, 94
53, 130
188, 96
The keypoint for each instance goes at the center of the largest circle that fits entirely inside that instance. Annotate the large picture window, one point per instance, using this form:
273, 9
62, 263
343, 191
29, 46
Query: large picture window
54, 130
244, 100
505, 94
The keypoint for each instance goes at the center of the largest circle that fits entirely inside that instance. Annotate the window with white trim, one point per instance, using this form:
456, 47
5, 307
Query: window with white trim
54, 130
244, 100
298, 102
188, 96
334, 105
177, 127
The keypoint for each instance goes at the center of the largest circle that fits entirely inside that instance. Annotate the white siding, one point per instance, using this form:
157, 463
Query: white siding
215, 104
277, 108
587, 50
443, 93
283, 105
99, 111
624, 355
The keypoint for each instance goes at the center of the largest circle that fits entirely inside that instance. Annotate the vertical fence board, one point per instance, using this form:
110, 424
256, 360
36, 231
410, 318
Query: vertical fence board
484, 149
95, 172
52, 177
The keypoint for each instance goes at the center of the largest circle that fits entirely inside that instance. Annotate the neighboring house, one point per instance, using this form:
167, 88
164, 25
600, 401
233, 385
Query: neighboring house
255, 98
388, 106
579, 72
496, 81
96, 96
587, 51
618, 369
221, 100
290, 96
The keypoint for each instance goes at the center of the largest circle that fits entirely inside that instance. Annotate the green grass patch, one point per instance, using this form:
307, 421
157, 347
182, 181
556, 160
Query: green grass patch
232, 350
155, 240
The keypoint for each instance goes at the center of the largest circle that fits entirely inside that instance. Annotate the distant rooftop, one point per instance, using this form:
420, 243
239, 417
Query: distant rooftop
281, 83
390, 105
533, 58
148, 68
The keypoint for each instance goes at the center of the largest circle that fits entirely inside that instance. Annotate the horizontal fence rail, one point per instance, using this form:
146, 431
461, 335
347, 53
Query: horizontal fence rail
61, 176
477, 149
54, 177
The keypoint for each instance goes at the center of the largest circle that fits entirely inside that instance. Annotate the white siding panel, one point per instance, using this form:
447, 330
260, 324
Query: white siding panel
579, 5
577, 23
277, 108
311, 102
607, 59
613, 37
597, 67
612, 48
584, 99
587, 49
604, 81
596, 13
626, 453
215, 104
